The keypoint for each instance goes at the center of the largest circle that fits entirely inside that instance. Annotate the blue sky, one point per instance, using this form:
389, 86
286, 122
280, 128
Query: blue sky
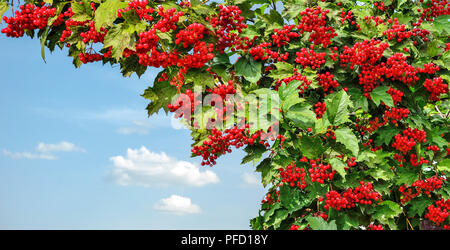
76, 149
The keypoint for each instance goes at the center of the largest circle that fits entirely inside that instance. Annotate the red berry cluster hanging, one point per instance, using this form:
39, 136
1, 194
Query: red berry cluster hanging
420, 187
29, 17
293, 176
228, 25
364, 195
439, 213
436, 87
140, 7
319, 109
308, 57
313, 20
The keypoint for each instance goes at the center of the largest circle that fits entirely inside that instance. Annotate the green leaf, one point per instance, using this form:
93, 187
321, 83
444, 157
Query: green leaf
119, 38
311, 147
267, 171
254, 153
358, 99
286, 90
302, 115
379, 94
385, 135
282, 70
292, 199
444, 165
346, 137
248, 68
82, 12
279, 216
418, 206
3, 8
106, 13
406, 176
442, 24
338, 165
337, 108
386, 211
44, 41
317, 223
400, 3
381, 172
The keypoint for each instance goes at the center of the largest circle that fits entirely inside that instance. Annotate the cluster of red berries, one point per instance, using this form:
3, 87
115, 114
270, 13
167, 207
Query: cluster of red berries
364, 194
433, 148
374, 227
415, 161
439, 213
313, 20
319, 109
406, 142
188, 102
284, 36
295, 77
219, 143
400, 32
326, 81
419, 187
320, 172
29, 17
380, 6
228, 25
308, 57
271, 199
396, 95
191, 35
93, 35
293, 176
89, 57
378, 20
364, 53
436, 87
140, 7
435, 8
168, 19
396, 114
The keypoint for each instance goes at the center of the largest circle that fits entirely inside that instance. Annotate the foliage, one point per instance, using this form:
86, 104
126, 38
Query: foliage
361, 86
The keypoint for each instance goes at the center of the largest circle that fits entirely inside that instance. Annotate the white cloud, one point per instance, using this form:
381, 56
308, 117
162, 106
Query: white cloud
145, 168
251, 179
44, 151
28, 155
60, 147
177, 205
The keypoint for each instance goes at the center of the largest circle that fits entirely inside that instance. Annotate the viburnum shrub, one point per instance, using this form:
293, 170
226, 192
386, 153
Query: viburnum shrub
360, 132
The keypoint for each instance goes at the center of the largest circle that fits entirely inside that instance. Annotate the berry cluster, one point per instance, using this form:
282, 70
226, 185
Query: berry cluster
308, 57
364, 194
400, 32
436, 87
420, 187
439, 213
374, 227
320, 172
284, 36
319, 109
396, 114
220, 143
406, 142
313, 20
140, 7
326, 81
29, 17
293, 175
228, 25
